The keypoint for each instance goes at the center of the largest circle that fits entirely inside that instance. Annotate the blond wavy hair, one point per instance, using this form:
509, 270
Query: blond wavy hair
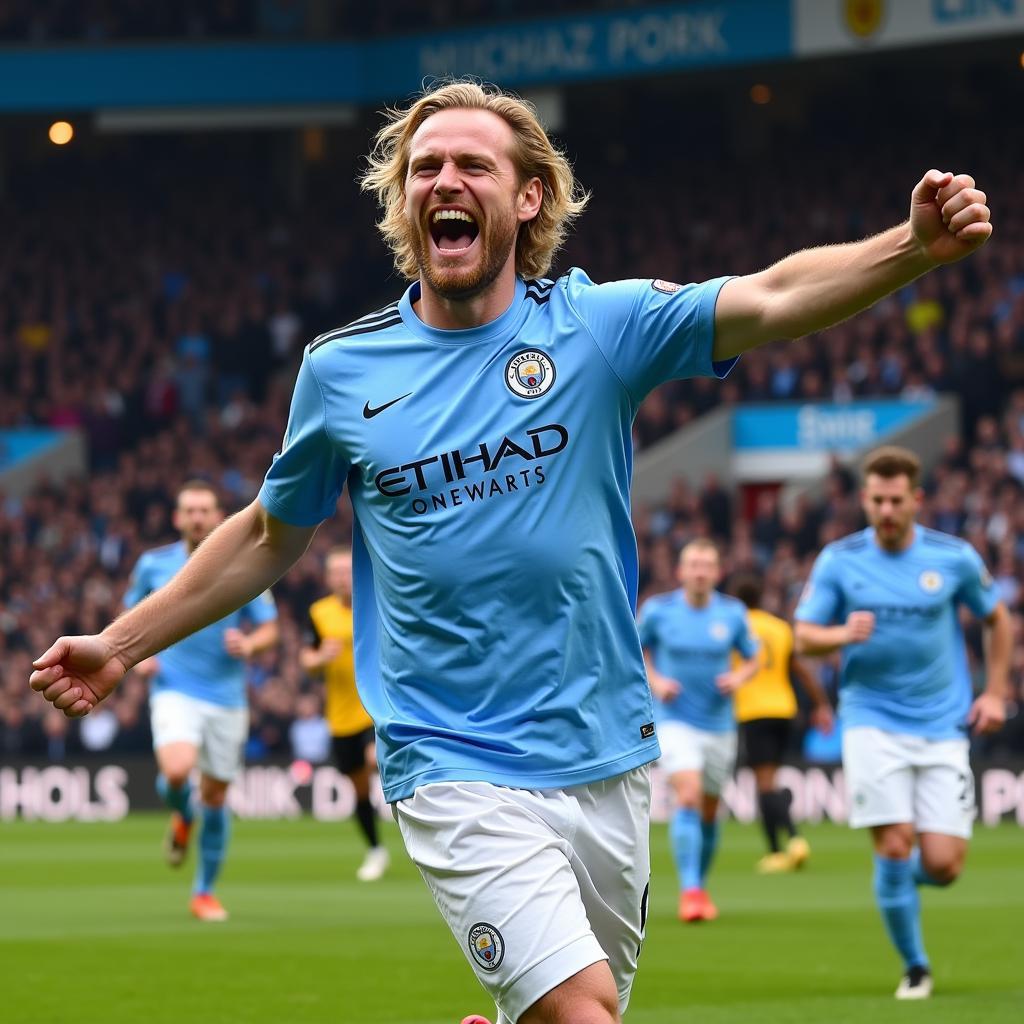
534, 155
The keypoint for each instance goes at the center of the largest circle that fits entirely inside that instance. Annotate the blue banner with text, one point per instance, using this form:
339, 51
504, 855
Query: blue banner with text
549, 51
821, 426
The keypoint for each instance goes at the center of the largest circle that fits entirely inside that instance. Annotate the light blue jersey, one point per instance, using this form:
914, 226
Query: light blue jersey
495, 566
911, 675
694, 646
198, 665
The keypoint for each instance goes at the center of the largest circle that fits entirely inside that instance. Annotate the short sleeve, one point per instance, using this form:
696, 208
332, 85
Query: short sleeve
745, 642
651, 331
138, 584
308, 473
976, 587
647, 625
261, 609
821, 600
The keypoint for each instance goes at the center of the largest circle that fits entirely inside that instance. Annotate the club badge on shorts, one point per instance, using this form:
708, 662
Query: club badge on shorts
487, 946
530, 373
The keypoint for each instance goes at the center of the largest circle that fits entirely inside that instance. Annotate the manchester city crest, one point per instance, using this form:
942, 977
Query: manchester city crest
486, 946
930, 581
530, 373
719, 631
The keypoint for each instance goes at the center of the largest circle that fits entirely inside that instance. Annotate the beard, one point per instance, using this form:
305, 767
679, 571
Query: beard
497, 239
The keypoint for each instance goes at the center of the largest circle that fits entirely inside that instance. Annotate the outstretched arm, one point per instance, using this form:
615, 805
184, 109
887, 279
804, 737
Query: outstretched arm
816, 288
240, 559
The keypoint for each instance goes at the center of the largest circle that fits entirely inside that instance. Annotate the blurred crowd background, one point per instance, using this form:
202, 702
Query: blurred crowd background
105, 21
157, 295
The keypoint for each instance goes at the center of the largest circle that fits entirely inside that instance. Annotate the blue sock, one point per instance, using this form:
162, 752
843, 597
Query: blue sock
213, 843
921, 876
897, 899
708, 847
177, 798
686, 845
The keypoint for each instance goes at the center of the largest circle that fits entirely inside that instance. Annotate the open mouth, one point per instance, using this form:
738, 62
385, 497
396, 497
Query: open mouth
453, 231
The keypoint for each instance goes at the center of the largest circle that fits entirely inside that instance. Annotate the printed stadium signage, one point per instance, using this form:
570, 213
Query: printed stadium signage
530, 52
824, 426
168, 77
110, 790
18, 446
832, 26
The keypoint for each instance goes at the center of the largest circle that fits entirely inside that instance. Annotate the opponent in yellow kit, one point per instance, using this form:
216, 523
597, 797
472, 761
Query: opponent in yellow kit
329, 653
765, 709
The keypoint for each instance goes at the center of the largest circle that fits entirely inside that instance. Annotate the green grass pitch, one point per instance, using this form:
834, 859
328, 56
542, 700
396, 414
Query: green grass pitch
94, 930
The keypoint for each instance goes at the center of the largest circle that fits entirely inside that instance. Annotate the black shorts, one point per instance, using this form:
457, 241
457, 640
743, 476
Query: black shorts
765, 740
350, 751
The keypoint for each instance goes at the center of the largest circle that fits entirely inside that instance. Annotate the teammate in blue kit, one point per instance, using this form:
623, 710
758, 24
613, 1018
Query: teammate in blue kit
888, 597
197, 699
688, 637
482, 424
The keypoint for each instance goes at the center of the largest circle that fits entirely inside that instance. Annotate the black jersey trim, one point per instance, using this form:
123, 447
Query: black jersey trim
387, 312
378, 314
350, 332
540, 298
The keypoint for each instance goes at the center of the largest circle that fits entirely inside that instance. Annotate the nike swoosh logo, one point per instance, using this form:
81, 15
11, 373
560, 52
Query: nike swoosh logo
369, 413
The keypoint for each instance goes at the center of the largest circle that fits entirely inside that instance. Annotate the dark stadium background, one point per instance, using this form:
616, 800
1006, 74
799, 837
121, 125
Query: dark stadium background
158, 282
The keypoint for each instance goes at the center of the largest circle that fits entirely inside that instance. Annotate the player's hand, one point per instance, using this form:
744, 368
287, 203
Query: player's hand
949, 216
665, 688
859, 627
729, 682
76, 673
148, 667
236, 643
822, 719
329, 649
987, 714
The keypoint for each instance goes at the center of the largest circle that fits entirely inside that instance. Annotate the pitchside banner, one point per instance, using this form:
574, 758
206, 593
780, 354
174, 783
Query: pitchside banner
835, 26
109, 791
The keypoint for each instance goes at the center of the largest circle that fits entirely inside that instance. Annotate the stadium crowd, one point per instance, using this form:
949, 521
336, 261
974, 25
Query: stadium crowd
169, 334
105, 21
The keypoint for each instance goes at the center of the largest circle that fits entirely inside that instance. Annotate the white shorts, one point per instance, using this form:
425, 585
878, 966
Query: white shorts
218, 732
892, 778
536, 885
685, 748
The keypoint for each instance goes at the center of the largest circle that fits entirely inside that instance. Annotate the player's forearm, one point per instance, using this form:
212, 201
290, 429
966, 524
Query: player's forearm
998, 644
652, 672
263, 637
238, 561
816, 288
310, 659
816, 641
808, 682
746, 670
316, 659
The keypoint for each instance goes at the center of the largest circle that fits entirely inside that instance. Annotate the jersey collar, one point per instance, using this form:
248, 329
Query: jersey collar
505, 326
